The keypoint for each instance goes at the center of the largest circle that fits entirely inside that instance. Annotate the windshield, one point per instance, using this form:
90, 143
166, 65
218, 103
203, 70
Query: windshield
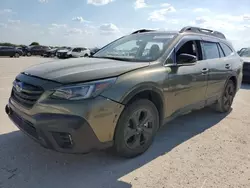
137, 47
245, 53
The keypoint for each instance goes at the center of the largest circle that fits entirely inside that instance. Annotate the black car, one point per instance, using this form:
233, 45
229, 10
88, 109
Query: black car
245, 56
25, 50
38, 50
50, 52
10, 51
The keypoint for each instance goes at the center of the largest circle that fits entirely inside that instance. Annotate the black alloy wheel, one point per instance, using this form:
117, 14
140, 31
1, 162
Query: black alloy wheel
229, 96
226, 100
139, 129
136, 128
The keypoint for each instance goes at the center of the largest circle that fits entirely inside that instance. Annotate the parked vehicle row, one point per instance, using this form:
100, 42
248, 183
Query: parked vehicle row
45, 51
12, 51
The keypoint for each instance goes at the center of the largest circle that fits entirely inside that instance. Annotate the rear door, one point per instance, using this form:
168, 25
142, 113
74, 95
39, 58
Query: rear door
219, 68
82, 52
6, 51
35, 50
10, 51
2, 52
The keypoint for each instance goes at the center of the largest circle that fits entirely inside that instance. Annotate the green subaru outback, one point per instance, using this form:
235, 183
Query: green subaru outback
121, 95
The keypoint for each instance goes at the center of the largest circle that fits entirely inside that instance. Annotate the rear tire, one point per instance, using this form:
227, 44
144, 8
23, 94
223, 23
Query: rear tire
225, 102
136, 128
86, 55
17, 55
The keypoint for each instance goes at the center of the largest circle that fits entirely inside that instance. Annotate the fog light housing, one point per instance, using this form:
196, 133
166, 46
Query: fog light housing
64, 140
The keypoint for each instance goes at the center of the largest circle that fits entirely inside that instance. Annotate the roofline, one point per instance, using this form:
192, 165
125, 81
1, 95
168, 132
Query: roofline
187, 29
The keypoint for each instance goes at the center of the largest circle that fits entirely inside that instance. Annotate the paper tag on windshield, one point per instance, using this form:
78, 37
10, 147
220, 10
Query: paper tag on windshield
163, 36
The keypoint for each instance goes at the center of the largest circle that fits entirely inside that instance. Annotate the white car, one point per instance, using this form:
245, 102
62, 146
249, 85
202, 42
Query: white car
80, 52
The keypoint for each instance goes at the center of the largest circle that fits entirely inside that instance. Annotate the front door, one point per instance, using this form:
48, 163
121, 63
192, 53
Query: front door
187, 81
3, 51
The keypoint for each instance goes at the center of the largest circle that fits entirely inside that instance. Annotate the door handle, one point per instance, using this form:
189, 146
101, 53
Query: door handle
227, 66
204, 71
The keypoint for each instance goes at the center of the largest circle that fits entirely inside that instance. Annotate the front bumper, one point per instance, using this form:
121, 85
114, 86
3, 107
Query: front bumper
84, 125
63, 55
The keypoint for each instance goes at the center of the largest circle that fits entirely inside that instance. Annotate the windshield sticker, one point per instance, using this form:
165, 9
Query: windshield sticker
163, 36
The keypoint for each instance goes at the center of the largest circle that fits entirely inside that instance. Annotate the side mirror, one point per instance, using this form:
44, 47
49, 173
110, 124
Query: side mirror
186, 58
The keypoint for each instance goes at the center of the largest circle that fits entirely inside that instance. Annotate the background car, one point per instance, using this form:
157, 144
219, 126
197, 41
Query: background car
10, 51
25, 50
245, 56
80, 52
241, 50
93, 51
50, 52
64, 53
38, 50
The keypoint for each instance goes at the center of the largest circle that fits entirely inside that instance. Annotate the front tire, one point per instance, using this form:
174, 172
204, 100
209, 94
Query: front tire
226, 100
136, 128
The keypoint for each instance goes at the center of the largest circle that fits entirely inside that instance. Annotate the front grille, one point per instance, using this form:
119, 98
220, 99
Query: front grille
64, 140
62, 54
25, 94
25, 125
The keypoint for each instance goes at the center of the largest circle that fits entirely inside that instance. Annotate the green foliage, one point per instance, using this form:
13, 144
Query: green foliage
10, 44
34, 44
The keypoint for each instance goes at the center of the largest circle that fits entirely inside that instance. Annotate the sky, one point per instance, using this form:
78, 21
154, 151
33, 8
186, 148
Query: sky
94, 23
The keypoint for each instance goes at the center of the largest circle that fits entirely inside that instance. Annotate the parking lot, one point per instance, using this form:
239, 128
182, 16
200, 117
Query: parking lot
202, 149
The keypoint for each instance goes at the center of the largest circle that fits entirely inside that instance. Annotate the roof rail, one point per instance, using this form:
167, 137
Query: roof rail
142, 31
203, 31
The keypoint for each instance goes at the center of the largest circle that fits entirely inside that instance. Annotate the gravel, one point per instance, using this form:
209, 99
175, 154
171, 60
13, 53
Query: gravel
199, 150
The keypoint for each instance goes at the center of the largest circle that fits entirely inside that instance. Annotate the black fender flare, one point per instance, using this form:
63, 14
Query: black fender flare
151, 87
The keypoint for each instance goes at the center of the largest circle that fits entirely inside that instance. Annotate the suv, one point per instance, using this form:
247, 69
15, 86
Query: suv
37, 50
80, 52
10, 51
120, 98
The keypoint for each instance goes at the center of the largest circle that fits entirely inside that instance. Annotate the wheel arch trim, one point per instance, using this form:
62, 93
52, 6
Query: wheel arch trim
146, 87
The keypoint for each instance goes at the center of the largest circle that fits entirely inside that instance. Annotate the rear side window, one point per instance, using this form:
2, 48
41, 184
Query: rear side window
227, 50
210, 50
76, 50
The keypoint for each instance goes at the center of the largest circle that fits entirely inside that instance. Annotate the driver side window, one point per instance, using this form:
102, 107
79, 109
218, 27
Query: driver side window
187, 53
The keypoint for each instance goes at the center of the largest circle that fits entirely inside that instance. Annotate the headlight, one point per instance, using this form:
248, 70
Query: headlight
83, 91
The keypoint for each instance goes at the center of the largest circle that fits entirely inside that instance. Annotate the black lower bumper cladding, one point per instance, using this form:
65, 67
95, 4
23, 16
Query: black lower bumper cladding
60, 132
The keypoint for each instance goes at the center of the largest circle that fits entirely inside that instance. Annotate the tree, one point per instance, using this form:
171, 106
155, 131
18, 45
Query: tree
6, 44
34, 43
